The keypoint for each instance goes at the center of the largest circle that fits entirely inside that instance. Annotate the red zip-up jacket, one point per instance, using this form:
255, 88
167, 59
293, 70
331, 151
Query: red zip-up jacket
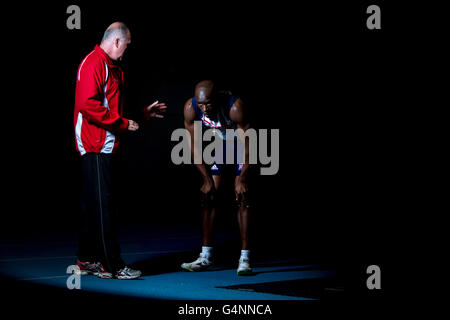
98, 104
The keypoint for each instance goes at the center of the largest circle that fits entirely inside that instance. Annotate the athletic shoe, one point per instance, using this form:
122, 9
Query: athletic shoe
202, 263
128, 274
97, 269
101, 271
84, 267
244, 267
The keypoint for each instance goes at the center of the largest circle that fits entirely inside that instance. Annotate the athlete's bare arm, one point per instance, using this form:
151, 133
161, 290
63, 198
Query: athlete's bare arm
189, 117
238, 116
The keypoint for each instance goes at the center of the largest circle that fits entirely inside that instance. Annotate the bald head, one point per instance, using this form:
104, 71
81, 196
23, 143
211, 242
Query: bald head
116, 30
204, 90
115, 40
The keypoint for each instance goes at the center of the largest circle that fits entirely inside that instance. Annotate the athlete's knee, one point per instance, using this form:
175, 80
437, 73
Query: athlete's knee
208, 200
243, 200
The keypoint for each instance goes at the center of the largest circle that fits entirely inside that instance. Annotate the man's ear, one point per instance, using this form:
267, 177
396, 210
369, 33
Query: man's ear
117, 42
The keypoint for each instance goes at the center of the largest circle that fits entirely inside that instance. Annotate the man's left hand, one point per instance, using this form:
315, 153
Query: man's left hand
155, 110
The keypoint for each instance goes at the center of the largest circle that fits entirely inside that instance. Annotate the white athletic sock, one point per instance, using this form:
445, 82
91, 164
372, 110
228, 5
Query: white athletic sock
207, 252
245, 254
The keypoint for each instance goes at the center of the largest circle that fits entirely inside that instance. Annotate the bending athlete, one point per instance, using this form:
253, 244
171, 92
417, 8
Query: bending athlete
219, 111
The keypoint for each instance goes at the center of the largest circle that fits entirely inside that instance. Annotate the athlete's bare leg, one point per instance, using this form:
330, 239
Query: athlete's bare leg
243, 219
208, 215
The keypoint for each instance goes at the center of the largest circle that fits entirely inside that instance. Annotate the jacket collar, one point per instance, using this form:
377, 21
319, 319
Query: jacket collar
108, 60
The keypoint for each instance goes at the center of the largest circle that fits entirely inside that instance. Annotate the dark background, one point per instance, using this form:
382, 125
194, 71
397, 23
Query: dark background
313, 71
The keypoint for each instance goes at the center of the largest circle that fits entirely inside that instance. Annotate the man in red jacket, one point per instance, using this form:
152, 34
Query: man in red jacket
98, 122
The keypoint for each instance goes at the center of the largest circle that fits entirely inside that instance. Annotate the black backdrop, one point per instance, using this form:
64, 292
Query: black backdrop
313, 71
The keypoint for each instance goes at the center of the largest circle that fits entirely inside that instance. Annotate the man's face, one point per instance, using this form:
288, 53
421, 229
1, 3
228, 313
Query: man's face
120, 46
205, 103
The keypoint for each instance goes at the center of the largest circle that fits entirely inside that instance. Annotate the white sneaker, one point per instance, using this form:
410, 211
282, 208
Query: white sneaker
244, 267
127, 274
202, 263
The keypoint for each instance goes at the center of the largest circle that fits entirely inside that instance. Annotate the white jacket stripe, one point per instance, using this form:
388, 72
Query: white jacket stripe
78, 134
108, 146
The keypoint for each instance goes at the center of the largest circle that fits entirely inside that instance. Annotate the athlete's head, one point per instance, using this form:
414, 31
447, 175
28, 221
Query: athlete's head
115, 40
204, 93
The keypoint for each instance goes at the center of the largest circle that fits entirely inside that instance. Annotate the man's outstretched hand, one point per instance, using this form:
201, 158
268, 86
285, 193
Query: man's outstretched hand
155, 110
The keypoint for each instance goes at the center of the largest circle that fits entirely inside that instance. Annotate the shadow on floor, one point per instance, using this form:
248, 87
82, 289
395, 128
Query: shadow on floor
226, 257
322, 289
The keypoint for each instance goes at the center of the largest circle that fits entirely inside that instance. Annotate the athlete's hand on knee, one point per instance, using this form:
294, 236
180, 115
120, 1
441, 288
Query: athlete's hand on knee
240, 188
208, 187
132, 125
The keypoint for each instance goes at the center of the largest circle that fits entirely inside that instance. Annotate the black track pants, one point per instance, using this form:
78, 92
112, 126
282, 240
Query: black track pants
98, 221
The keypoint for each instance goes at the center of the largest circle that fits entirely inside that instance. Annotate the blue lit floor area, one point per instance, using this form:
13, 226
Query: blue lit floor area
158, 251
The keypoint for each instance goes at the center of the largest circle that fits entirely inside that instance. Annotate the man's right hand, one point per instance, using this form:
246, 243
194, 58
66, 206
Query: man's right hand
208, 186
132, 125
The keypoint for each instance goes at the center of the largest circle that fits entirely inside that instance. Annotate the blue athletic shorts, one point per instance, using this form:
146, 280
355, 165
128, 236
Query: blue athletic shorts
218, 168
